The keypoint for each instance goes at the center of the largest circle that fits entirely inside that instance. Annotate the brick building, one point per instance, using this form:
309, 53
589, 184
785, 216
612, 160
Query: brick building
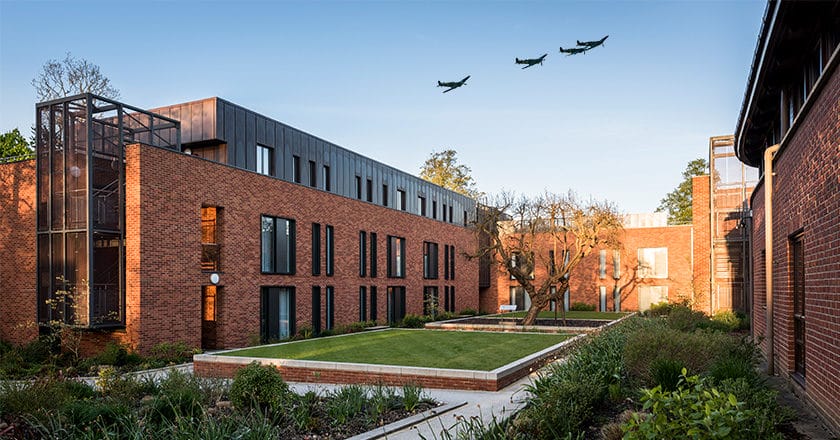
210, 224
789, 127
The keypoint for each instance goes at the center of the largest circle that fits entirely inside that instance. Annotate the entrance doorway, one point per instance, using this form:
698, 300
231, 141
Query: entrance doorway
277, 313
209, 296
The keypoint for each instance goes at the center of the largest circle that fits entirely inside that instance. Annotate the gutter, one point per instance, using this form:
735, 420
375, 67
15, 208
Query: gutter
769, 155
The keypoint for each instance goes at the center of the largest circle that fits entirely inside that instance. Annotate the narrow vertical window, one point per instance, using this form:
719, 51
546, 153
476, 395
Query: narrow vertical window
313, 177
325, 176
602, 298
396, 257
210, 248
362, 303
431, 301
452, 299
450, 214
362, 253
602, 264
316, 248
443, 212
316, 309
446, 261
329, 250
434, 209
446, 298
797, 276
401, 199
384, 195
465, 219
552, 266
296, 168
616, 264
359, 187
373, 255
277, 245
452, 262
617, 299
430, 260
421, 202
330, 312
370, 190
373, 314
265, 160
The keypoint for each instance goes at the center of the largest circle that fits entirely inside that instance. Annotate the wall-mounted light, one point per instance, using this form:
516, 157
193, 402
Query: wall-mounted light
214, 278
187, 151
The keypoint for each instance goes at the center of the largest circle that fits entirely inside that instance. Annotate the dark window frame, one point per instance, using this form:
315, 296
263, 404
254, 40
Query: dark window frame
316, 309
291, 251
362, 303
430, 260
296, 177
384, 194
362, 254
325, 176
329, 301
313, 174
396, 257
316, 249
329, 250
359, 187
269, 162
373, 255
401, 204
372, 303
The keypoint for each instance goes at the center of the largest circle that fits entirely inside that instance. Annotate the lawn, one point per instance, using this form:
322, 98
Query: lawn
482, 351
545, 314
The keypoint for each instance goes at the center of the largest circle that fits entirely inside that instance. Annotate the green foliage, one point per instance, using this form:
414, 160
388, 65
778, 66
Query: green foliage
442, 169
412, 321
677, 203
345, 403
37, 398
173, 352
731, 320
733, 367
117, 355
683, 318
582, 307
303, 410
259, 386
412, 396
660, 309
468, 312
382, 399
123, 387
179, 396
13, 144
760, 399
666, 373
694, 410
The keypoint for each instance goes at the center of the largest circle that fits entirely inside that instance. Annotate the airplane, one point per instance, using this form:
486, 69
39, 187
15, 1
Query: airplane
453, 85
592, 44
574, 50
532, 61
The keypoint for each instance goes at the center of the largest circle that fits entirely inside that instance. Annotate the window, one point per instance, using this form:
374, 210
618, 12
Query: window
552, 266
265, 160
372, 302
450, 214
465, 218
313, 178
362, 253
277, 313
434, 209
617, 299
373, 256
602, 264
616, 264
396, 257
329, 323
325, 176
649, 295
446, 261
384, 195
602, 298
278, 245
296, 168
431, 300
552, 303
430, 260
316, 309
370, 190
401, 199
211, 255
450, 299
316, 248
653, 262
330, 251
396, 304
452, 262
443, 212
421, 203
359, 187
208, 303
514, 263
520, 297
797, 277
362, 303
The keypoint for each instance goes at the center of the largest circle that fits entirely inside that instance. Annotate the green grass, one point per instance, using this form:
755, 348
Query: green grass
570, 315
414, 348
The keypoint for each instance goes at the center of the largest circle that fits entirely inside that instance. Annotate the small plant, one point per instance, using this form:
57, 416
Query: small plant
303, 411
666, 373
413, 321
694, 410
412, 396
117, 355
468, 312
172, 352
259, 386
582, 307
382, 399
346, 403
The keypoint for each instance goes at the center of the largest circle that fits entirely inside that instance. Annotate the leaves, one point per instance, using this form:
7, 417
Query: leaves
13, 144
677, 203
442, 169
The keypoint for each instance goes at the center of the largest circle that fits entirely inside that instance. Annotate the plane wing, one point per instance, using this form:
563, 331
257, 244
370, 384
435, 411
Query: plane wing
449, 89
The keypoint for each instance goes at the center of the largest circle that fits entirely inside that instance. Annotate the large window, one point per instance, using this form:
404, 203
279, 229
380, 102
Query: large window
396, 257
649, 295
431, 301
265, 160
396, 304
430, 260
653, 262
277, 313
278, 245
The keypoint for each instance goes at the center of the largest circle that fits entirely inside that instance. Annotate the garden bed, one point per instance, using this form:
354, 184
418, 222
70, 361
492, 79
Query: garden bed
433, 359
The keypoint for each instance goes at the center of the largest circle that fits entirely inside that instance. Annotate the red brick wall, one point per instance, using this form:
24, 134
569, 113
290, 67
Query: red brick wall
164, 195
585, 281
702, 230
18, 313
806, 197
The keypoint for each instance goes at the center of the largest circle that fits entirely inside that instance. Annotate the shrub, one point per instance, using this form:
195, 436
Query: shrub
666, 373
695, 410
582, 307
116, 355
660, 309
123, 387
39, 397
302, 413
172, 352
180, 396
259, 386
758, 397
682, 318
345, 403
381, 400
83, 413
733, 367
469, 312
412, 396
412, 321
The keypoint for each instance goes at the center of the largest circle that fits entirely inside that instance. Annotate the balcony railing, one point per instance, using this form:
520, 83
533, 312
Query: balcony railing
211, 257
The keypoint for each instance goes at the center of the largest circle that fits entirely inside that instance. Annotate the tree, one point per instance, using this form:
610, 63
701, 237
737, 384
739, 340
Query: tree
71, 76
13, 144
442, 168
677, 203
552, 231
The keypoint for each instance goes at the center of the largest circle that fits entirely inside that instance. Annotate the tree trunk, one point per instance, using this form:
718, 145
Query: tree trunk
537, 304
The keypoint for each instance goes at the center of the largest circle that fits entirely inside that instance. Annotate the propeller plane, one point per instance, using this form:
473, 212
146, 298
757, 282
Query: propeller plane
531, 61
592, 44
574, 50
453, 85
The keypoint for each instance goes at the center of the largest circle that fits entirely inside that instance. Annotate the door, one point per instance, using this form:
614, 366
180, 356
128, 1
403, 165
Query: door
208, 316
396, 304
277, 313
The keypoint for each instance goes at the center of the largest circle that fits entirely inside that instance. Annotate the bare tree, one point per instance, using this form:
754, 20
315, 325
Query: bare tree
551, 231
71, 76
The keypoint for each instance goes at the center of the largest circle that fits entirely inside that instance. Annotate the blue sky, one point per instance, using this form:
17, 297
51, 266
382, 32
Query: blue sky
619, 123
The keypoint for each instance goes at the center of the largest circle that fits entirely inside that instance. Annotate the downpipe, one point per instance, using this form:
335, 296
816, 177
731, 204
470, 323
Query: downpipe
769, 155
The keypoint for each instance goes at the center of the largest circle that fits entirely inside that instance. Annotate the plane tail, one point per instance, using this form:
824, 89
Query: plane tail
518, 61
440, 84
579, 43
465, 79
